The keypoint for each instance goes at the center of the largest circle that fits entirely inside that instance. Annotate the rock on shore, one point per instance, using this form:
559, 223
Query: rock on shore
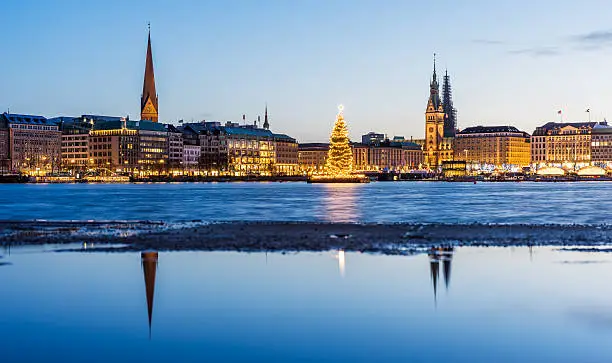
307, 236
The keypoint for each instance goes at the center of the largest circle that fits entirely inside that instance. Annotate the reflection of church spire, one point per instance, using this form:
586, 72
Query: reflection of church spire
149, 266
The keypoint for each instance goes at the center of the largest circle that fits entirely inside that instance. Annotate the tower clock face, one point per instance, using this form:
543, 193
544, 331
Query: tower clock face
149, 108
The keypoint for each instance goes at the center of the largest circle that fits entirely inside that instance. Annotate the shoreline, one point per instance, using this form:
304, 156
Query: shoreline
391, 238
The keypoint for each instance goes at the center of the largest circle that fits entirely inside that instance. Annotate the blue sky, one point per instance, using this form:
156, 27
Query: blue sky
511, 62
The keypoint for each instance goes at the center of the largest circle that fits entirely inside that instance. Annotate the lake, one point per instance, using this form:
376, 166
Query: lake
530, 203
474, 305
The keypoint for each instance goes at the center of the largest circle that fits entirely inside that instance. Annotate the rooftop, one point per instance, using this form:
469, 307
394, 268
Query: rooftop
15, 118
488, 130
143, 125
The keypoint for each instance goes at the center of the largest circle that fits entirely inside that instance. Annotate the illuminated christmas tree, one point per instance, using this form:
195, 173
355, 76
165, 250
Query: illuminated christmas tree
340, 156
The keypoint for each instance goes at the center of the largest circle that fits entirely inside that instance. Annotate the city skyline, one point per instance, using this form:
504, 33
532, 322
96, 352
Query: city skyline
303, 59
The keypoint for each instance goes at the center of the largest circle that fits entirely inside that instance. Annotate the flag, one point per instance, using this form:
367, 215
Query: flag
588, 110
559, 112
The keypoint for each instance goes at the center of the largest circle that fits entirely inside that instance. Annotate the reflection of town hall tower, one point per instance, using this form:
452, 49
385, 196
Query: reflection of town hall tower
437, 145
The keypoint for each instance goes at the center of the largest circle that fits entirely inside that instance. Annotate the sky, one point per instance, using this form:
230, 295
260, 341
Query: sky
511, 62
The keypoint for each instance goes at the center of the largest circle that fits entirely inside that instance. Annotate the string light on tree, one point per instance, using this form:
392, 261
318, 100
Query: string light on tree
339, 163
340, 156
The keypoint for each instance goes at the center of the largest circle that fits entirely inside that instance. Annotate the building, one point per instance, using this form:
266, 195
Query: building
5, 159
382, 156
75, 141
565, 145
395, 156
175, 147
601, 146
360, 157
490, 147
245, 150
34, 144
148, 100
136, 147
372, 138
191, 156
286, 162
436, 146
312, 157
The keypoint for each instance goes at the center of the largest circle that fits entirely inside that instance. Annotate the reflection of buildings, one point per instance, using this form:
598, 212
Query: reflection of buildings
149, 267
437, 255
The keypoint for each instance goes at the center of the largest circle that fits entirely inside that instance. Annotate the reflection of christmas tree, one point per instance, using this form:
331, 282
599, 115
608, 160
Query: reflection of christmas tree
339, 157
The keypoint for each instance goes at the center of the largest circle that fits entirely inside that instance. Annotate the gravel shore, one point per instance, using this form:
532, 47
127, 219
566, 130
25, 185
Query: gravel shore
306, 236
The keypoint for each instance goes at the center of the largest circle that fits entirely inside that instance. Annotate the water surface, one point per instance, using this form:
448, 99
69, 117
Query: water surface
531, 203
476, 305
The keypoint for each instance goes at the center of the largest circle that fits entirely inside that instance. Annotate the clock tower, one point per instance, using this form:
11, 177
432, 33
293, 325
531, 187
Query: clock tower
434, 124
148, 100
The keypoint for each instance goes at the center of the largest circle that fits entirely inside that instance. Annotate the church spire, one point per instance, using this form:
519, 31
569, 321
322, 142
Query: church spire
434, 90
148, 100
266, 124
450, 113
435, 76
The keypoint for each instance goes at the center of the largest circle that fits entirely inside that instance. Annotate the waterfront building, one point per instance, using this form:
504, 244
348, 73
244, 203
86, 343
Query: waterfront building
564, 145
245, 150
137, 147
75, 141
34, 143
286, 162
395, 156
436, 146
372, 138
491, 147
601, 146
175, 147
191, 156
148, 100
312, 157
5, 160
382, 156
360, 156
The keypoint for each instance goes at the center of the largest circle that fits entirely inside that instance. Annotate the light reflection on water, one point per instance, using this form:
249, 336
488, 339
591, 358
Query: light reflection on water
532, 203
340, 202
501, 305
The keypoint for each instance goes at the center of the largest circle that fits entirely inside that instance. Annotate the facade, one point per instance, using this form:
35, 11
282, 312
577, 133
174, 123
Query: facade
502, 147
286, 162
601, 146
148, 100
436, 147
137, 147
5, 160
565, 145
385, 156
191, 156
395, 156
312, 157
175, 147
75, 141
245, 150
360, 157
34, 143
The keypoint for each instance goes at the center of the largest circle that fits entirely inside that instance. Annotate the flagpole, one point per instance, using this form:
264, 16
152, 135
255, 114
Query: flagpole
589, 112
